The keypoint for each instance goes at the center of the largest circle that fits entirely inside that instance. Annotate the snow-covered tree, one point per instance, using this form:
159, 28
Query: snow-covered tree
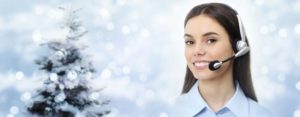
67, 89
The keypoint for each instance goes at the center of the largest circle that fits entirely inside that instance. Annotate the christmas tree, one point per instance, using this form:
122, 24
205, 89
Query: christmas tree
67, 92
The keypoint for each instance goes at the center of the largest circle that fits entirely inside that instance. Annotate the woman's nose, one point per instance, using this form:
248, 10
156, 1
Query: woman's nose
199, 51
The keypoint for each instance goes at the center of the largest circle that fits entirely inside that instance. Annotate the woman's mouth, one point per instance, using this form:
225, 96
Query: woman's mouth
200, 65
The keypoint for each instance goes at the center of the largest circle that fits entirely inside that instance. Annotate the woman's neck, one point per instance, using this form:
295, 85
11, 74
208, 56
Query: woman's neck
217, 91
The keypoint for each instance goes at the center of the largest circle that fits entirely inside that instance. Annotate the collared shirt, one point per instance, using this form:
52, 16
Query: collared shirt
193, 105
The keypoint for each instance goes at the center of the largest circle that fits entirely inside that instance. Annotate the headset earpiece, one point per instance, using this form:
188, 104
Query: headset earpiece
242, 45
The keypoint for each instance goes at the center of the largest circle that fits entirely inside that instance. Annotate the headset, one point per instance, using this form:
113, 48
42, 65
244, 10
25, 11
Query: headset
241, 45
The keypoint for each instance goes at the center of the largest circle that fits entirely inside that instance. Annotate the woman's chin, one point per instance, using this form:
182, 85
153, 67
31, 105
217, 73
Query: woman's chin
202, 75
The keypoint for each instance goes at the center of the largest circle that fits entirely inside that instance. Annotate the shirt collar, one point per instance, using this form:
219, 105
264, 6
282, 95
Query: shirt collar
238, 104
194, 101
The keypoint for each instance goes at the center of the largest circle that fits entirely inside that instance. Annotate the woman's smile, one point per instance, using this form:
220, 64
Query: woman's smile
200, 65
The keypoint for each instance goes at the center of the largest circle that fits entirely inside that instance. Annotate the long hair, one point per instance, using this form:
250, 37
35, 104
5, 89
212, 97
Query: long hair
226, 17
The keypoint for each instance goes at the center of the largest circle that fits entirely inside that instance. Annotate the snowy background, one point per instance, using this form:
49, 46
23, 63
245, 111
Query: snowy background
137, 49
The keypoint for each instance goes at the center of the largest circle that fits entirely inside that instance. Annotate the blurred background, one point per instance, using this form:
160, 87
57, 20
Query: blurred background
137, 49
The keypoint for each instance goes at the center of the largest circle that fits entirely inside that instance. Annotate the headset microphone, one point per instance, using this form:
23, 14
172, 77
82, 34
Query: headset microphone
214, 65
242, 48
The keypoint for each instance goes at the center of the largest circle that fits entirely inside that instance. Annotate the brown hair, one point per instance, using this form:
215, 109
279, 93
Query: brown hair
225, 16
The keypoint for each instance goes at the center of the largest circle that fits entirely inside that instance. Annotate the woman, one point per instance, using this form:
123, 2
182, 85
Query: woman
212, 32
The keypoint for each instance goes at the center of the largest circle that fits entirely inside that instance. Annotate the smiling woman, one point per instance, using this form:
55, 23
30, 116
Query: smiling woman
213, 31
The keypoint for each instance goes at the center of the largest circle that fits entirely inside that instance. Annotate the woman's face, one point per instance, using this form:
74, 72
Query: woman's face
205, 41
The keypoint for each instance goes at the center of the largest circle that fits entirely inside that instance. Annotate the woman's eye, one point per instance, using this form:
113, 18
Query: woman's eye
210, 41
189, 42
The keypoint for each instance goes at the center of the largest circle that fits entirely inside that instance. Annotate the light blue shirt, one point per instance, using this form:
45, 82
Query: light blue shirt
193, 105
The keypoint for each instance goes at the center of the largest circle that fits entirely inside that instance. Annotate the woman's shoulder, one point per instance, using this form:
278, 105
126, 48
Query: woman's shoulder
188, 99
258, 110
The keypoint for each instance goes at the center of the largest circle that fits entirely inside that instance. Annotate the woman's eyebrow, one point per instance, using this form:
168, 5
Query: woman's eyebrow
188, 35
205, 34
210, 33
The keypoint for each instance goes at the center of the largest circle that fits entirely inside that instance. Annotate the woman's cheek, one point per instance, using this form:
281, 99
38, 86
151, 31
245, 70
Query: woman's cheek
188, 55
